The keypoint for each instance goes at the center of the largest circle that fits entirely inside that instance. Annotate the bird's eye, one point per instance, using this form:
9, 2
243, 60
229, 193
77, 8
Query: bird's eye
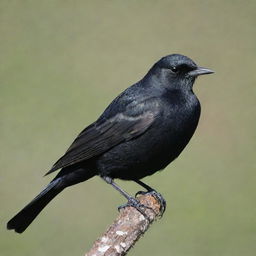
174, 69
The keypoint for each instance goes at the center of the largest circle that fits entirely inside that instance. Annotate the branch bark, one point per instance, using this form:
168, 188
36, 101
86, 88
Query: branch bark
128, 227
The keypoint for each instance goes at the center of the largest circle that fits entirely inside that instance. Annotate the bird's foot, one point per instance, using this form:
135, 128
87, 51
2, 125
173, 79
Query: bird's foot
132, 202
157, 196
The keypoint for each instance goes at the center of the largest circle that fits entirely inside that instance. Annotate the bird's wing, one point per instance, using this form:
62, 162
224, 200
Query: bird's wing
103, 135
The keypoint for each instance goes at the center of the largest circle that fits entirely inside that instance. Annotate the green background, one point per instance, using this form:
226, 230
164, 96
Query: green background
62, 62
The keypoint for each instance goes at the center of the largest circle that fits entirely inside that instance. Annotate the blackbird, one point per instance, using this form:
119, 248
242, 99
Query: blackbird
143, 130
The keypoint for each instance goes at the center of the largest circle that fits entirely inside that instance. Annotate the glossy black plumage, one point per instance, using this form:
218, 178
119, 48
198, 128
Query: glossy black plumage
141, 131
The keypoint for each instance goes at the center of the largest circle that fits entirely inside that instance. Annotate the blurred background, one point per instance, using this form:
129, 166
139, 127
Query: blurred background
61, 64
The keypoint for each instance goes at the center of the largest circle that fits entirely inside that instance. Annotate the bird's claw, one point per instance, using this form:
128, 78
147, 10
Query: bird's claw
141, 193
157, 196
132, 202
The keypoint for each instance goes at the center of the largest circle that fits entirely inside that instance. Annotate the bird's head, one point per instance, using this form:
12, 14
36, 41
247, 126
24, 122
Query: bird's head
177, 71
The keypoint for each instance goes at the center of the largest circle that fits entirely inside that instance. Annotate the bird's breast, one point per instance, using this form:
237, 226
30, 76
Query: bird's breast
156, 148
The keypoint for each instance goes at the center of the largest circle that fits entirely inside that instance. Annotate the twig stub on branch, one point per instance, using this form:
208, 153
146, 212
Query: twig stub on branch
127, 228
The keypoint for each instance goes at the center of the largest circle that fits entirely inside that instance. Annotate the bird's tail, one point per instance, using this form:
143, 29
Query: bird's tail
24, 218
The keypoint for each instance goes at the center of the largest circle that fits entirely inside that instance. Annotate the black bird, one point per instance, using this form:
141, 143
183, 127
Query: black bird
144, 129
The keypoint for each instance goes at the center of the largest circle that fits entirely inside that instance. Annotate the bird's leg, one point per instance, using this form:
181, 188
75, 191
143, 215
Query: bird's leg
153, 192
115, 186
131, 200
144, 185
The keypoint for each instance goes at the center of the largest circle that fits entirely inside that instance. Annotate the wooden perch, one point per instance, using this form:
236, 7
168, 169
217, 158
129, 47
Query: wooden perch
126, 230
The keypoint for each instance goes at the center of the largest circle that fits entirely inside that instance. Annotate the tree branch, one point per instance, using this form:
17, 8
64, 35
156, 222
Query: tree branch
128, 227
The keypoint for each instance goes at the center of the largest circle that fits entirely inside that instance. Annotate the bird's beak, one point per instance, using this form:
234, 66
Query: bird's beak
200, 71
